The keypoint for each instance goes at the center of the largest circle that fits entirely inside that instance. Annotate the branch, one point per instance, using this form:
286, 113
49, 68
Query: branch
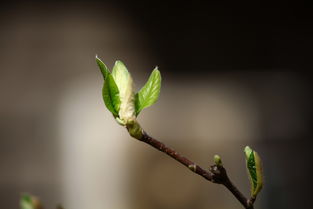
216, 174
120, 99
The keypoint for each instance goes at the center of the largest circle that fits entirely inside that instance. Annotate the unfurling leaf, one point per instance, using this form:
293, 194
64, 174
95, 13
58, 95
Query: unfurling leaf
103, 68
254, 167
149, 93
121, 77
110, 95
118, 92
124, 83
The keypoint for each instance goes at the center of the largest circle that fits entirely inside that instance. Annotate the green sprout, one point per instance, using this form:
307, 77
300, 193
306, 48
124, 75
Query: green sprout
119, 96
254, 167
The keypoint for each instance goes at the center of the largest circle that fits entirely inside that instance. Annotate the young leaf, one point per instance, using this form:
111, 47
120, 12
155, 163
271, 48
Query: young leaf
103, 68
110, 95
254, 167
124, 83
30, 202
26, 202
149, 93
121, 77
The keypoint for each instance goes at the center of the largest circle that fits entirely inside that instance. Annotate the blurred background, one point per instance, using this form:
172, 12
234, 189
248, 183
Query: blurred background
233, 75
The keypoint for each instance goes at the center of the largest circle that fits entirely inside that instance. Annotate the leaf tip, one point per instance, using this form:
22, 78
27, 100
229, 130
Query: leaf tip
97, 58
248, 151
103, 68
156, 70
119, 62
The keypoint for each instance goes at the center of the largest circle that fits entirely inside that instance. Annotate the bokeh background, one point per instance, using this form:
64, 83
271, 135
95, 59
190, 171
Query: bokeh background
233, 75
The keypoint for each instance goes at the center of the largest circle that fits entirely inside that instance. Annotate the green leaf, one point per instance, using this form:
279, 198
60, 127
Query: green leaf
124, 83
122, 77
26, 202
30, 202
149, 93
110, 95
254, 167
103, 68
252, 170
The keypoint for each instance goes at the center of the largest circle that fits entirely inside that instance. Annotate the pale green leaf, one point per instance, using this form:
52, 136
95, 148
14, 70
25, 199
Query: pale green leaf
26, 202
110, 95
149, 93
121, 77
103, 68
124, 83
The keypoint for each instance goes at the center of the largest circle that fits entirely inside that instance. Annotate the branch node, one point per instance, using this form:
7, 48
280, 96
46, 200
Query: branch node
192, 167
219, 174
251, 201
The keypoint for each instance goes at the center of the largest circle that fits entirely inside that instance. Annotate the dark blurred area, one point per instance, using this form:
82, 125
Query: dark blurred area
233, 74
227, 35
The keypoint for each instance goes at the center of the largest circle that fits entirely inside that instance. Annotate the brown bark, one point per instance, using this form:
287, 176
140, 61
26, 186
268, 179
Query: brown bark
216, 174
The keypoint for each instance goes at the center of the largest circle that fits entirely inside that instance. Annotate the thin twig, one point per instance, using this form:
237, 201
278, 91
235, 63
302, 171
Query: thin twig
216, 174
